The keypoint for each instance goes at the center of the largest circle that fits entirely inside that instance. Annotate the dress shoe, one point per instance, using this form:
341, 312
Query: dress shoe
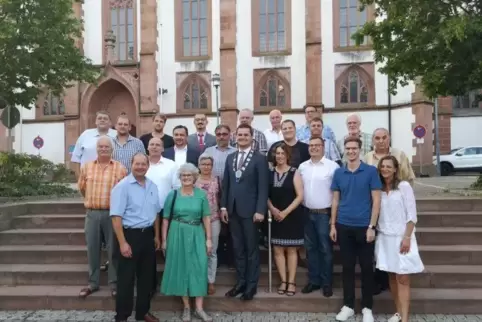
149, 318
310, 288
235, 291
248, 295
211, 289
327, 291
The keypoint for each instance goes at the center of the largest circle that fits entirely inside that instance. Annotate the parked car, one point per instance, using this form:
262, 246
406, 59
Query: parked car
467, 159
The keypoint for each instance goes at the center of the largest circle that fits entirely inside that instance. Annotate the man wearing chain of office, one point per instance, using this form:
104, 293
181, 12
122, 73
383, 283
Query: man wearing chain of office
244, 205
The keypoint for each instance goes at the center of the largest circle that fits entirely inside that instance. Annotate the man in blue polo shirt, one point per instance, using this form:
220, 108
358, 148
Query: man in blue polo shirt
354, 214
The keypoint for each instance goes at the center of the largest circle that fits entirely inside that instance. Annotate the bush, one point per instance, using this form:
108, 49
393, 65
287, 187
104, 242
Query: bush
23, 175
477, 185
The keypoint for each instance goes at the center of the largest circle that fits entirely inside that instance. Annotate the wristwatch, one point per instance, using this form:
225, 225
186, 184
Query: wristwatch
371, 227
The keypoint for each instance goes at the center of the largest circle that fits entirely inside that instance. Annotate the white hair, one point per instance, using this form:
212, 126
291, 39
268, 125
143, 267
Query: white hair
106, 138
355, 115
188, 168
206, 156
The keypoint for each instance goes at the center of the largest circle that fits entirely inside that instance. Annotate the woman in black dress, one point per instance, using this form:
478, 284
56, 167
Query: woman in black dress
287, 230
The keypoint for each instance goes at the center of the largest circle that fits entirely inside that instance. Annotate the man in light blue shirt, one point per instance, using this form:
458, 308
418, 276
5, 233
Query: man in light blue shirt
85, 147
135, 211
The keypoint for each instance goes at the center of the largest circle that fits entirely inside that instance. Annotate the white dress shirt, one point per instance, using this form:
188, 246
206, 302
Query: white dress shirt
272, 137
86, 146
317, 178
180, 155
246, 152
164, 175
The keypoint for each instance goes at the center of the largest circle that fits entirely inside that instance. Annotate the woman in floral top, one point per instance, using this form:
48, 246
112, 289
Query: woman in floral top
211, 185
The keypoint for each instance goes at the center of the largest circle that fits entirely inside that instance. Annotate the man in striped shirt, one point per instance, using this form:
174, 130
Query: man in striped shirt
96, 180
125, 145
260, 144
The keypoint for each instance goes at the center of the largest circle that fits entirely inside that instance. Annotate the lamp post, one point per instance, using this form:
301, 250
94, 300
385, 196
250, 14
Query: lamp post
216, 80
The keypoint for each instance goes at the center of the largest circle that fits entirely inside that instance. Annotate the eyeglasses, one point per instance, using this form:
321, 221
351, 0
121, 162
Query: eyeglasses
222, 134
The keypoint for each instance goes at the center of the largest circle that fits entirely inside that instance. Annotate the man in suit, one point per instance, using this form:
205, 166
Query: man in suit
180, 153
244, 202
201, 139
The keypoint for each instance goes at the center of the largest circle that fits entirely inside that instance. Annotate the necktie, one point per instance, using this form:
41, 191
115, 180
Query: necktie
201, 140
241, 160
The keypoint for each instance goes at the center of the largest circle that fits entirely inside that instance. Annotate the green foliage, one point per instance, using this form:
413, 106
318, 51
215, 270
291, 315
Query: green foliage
23, 175
38, 51
477, 185
437, 40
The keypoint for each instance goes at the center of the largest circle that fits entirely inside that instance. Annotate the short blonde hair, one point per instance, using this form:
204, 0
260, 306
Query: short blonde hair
188, 168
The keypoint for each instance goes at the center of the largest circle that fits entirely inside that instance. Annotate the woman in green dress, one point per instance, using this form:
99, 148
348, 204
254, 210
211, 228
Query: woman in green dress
186, 241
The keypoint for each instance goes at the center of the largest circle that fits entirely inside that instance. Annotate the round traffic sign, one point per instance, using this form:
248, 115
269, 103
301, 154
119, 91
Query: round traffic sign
38, 142
419, 131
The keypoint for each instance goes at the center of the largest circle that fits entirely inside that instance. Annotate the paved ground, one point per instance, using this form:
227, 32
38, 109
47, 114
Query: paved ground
70, 316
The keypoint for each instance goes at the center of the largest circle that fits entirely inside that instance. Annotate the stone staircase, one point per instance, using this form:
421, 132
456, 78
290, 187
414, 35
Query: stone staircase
43, 265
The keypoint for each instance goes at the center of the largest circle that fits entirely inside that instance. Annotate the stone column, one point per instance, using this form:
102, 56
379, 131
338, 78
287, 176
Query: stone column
109, 40
148, 64
313, 53
228, 109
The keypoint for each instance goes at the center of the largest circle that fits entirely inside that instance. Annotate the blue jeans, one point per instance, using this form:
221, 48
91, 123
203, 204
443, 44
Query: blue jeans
319, 249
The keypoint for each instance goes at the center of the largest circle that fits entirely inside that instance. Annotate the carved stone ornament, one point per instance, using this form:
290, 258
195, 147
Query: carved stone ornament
121, 3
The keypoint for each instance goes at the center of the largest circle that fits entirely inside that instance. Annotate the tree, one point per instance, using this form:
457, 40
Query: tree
37, 52
437, 40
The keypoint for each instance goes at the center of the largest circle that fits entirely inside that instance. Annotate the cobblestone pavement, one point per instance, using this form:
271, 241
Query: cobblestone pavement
87, 316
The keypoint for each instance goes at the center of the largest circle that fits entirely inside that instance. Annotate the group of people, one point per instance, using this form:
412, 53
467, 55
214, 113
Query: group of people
184, 194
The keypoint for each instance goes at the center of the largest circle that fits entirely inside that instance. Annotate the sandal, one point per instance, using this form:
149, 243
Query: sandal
281, 290
290, 293
86, 291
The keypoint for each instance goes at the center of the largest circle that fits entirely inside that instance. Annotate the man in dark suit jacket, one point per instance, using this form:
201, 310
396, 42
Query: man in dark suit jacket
201, 139
180, 152
245, 201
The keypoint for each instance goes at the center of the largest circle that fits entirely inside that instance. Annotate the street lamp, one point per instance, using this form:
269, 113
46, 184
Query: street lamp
216, 80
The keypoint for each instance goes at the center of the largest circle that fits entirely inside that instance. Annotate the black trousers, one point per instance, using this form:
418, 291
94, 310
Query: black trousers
244, 233
353, 246
156, 279
139, 267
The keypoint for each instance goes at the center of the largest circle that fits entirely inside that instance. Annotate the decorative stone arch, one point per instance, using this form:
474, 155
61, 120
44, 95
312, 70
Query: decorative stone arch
110, 85
185, 81
261, 79
366, 80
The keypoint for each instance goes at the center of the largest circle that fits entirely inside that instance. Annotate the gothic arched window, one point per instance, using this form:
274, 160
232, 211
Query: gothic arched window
353, 89
195, 95
272, 93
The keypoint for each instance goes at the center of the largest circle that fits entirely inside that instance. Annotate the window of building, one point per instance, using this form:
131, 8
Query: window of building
471, 100
196, 95
272, 35
353, 89
195, 28
271, 25
53, 105
348, 19
272, 93
122, 24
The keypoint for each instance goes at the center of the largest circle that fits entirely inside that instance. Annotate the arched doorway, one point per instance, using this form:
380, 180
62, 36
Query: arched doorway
113, 97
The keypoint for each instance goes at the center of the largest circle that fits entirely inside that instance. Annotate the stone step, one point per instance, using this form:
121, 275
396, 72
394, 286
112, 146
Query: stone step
77, 254
76, 221
423, 301
450, 219
449, 235
437, 276
72, 236
443, 204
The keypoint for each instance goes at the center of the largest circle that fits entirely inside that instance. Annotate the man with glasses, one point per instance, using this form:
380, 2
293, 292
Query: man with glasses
219, 153
303, 133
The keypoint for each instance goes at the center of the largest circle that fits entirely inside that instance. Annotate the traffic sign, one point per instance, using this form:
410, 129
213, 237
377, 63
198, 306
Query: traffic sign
419, 131
38, 142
